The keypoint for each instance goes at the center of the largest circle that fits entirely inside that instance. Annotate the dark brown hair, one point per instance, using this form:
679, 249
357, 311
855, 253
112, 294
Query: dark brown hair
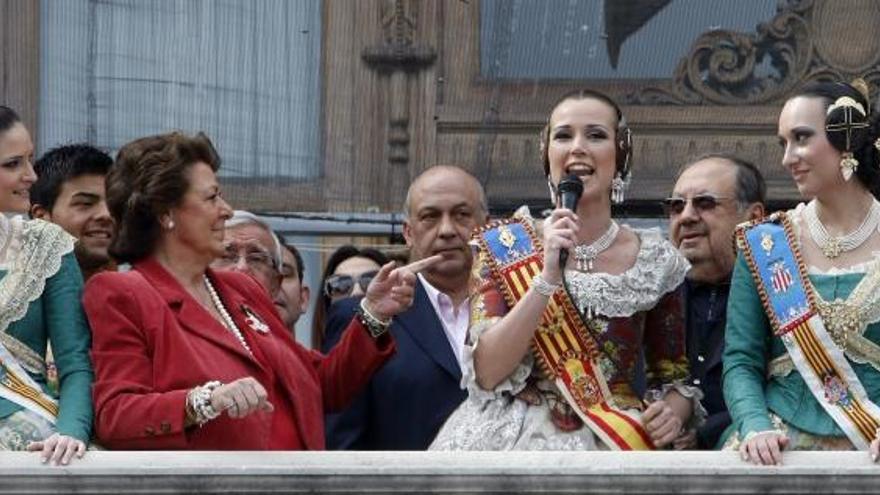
8, 118
149, 178
861, 144
750, 185
622, 138
322, 303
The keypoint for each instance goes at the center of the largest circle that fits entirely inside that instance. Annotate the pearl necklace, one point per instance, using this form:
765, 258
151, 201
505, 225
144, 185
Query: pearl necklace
228, 322
585, 254
832, 247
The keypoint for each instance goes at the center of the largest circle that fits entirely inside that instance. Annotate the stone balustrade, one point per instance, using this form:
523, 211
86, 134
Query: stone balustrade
438, 472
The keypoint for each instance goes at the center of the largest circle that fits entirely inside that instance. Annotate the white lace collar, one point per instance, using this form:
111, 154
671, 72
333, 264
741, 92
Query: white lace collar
32, 254
658, 270
8, 241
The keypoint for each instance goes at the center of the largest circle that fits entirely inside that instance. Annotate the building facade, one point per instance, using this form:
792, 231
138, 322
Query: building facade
336, 105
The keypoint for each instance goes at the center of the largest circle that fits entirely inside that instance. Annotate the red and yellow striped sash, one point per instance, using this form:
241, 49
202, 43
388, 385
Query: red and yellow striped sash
770, 250
562, 344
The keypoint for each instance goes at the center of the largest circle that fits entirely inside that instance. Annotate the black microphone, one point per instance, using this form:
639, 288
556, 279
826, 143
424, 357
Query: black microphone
569, 189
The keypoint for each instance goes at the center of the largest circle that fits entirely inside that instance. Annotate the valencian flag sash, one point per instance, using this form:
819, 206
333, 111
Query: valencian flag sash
790, 304
17, 386
567, 353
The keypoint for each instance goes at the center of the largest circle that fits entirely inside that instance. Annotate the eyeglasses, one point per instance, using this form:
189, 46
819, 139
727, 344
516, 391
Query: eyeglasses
702, 203
342, 285
254, 258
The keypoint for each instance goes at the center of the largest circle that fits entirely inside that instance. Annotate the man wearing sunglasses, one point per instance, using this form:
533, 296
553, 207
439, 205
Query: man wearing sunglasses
713, 194
410, 397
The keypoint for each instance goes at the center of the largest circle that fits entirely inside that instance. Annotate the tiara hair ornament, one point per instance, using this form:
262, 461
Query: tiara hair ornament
846, 102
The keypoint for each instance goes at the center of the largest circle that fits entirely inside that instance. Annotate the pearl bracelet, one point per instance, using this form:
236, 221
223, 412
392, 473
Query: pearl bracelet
543, 287
199, 401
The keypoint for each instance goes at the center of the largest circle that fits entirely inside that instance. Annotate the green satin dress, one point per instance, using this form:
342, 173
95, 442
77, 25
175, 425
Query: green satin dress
762, 388
46, 307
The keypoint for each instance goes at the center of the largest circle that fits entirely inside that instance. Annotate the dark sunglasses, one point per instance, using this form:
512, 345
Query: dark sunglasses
342, 285
702, 203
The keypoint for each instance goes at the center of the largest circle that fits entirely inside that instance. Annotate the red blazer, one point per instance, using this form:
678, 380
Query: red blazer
152, 342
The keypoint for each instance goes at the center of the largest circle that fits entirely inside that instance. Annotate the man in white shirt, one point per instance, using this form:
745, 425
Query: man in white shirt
410, 397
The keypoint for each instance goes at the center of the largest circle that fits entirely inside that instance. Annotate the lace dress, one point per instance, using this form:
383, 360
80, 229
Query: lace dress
639, 325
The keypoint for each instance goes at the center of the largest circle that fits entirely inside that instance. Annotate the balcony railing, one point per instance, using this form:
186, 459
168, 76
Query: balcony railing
438, 472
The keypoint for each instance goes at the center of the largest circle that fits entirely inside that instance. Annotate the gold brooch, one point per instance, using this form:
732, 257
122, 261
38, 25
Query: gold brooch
767, 243
842, 320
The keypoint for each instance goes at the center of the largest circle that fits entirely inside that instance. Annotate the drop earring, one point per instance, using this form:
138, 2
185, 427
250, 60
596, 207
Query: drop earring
552, 191
618, 189
848, 165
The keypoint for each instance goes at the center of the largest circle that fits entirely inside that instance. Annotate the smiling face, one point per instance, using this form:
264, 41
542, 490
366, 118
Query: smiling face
200, 217
16, 169
81, 210
813, 162
582, 142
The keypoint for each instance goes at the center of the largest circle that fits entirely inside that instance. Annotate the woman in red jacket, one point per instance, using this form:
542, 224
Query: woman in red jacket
189, 358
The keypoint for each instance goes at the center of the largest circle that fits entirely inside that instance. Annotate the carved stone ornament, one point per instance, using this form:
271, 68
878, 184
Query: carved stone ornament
807, 40
398, 51
398, 56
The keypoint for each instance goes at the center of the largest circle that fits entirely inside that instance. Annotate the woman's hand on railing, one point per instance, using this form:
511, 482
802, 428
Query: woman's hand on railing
58, 449
764, 448
662, 423
687, 440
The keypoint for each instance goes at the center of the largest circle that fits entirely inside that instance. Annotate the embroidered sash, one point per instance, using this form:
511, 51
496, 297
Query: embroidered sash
790, 304
18, 387
563, 346
37, 258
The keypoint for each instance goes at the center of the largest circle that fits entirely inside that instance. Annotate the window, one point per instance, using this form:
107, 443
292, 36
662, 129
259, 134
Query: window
602, 39
247, 73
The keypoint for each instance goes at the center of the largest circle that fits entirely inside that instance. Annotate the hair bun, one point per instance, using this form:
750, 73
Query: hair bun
847, 125
862, 87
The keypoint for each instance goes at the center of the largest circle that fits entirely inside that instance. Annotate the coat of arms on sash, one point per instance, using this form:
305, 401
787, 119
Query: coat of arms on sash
781, 275
563, 346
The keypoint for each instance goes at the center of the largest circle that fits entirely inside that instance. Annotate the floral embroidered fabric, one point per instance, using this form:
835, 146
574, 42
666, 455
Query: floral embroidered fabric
640, 317
853, 315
